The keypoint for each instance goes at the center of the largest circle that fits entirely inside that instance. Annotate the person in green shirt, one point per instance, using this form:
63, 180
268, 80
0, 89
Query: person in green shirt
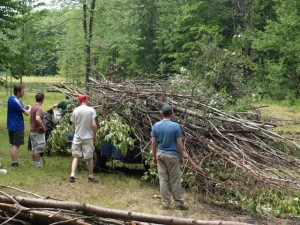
63, 105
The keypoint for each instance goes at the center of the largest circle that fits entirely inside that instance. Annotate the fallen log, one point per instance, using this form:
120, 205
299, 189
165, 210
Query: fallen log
91, 210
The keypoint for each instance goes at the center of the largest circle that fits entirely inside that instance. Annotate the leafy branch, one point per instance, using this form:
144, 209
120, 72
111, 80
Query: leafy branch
115, 129
58, 137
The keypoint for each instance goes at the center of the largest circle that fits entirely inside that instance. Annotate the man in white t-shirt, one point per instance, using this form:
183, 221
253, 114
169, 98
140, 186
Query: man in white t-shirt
85, 127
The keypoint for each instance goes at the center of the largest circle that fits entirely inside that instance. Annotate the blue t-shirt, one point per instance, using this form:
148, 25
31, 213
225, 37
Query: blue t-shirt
15, 109
166, 132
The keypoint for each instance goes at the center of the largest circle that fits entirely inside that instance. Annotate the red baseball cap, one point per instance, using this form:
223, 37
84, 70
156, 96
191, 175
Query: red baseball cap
82, 98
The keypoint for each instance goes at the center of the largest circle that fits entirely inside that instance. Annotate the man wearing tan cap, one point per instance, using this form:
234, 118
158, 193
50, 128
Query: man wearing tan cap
85, 127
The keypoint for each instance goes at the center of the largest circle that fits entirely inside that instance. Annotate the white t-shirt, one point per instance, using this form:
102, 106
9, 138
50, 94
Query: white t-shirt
82, 117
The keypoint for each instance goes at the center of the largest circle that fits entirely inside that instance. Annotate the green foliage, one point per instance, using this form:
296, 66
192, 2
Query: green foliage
232, 47
202, 46
245, 194
272, 202
151, 175
114, 128
146, 24
11, 18
279, 47
71, 58
58, 137
291, 98
3, 82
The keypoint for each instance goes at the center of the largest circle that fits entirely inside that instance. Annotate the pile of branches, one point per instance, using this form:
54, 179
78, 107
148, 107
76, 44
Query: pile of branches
217, 143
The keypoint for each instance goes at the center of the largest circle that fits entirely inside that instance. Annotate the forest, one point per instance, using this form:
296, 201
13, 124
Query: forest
231, 47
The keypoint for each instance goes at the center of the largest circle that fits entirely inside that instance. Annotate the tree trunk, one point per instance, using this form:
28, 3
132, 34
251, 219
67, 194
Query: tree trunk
88, 34
88, 209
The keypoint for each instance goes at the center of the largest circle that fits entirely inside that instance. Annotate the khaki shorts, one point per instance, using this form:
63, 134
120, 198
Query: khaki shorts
83, 148
38, 142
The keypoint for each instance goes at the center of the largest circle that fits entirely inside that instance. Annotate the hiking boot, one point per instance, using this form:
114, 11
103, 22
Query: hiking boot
72, 179
92, 180
181, 207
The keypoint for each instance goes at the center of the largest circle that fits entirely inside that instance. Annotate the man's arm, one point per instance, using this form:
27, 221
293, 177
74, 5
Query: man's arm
154, 149
180, 148
54, 106
27, 110
94, 127
40, 122
73, 125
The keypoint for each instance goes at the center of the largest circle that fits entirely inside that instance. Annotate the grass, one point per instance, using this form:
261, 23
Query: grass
286, 117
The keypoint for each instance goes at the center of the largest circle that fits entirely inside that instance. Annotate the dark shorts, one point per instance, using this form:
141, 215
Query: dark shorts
16, 137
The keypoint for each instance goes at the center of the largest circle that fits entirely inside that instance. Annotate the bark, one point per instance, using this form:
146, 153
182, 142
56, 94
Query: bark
88, 35
88, 209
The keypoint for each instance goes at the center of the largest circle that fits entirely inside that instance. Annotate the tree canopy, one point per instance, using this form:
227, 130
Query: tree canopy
235, 47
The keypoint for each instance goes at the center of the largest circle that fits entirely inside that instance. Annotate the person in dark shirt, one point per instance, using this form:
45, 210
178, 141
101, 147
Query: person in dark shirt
63, 105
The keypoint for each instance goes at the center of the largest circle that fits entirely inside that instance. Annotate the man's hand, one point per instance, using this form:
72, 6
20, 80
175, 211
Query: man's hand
42, 129
181, 160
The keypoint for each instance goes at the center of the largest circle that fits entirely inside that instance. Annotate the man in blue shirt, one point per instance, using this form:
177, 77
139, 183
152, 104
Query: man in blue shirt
15, 122
167, 149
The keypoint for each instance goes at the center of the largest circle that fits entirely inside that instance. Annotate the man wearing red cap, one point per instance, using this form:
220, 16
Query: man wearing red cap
85, 127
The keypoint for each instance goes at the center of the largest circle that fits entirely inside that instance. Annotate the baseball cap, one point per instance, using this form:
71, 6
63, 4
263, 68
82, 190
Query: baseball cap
82, 98
166, 108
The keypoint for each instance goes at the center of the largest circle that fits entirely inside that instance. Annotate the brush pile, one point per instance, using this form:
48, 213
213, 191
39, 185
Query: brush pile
220, 146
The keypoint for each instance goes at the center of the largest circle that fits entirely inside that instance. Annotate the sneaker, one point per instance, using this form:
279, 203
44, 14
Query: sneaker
92, 180
72, 179
38, 165
181, 207
14, 166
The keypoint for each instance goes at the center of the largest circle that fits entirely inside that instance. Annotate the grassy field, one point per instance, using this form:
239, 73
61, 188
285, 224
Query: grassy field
119, 189
286, 117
